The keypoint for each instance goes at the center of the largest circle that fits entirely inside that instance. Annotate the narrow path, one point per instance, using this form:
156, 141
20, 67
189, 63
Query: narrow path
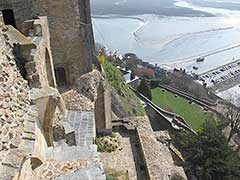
84, 129
83, 124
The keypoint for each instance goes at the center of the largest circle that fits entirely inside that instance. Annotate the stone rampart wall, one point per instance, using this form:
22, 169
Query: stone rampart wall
16, 114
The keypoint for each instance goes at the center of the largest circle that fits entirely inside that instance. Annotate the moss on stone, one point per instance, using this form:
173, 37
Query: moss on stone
116, 175
108, 143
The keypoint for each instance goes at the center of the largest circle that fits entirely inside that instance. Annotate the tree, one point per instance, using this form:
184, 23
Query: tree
208, 155
233, 114
144, 88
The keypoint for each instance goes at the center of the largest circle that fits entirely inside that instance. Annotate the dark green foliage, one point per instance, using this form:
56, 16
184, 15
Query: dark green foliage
144, 88
154, 83
208, 155
177, 177
164, 79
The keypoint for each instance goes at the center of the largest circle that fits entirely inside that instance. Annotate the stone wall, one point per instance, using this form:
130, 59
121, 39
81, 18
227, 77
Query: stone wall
94, 87
38, 31
26, 121
33, 53
157, 156
39, 66
21, 9
16, 114
103, 110
70, 28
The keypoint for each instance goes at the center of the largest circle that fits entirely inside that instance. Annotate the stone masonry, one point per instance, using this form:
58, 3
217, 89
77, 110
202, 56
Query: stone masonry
17, 116
30, 103
70, 28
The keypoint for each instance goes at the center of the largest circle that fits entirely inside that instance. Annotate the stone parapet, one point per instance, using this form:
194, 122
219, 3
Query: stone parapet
157, 156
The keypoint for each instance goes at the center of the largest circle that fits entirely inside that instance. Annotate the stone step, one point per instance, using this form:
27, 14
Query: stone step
83, 124
94, 171
71, 153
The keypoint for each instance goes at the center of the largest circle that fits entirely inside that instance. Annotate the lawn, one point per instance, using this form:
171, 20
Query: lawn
192, 113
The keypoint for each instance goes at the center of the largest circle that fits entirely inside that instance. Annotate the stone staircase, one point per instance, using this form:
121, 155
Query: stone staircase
83, 124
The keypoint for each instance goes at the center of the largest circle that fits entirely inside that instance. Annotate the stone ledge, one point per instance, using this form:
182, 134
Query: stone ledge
71, 153
29, 126
14, 158
28, 136
157, 156
7, 172
93, 171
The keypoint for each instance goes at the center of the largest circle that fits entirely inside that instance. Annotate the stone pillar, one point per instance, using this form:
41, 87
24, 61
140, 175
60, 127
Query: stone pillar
47, 99
61, 106
103, 115
48, 119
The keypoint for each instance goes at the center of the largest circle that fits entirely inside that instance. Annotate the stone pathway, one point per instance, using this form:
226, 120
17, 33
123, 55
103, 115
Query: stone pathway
83, 124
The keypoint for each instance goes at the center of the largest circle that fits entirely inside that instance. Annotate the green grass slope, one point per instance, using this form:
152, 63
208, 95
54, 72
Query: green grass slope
126, 97
192, 113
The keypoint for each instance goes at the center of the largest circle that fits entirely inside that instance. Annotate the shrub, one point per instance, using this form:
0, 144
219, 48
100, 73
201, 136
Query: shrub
116, 175
108, 143
145, 89
177, 176
208, 153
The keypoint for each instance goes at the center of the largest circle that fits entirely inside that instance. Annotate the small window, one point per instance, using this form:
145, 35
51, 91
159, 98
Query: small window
61, 76
8, 17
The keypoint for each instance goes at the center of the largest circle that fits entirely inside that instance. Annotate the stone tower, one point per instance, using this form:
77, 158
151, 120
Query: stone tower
71, 36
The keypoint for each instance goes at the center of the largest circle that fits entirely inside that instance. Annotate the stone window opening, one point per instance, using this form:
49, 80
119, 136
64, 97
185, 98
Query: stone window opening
20, 62
61, 76
8, 17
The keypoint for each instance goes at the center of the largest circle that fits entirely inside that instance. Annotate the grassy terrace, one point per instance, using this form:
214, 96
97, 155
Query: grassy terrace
192, 113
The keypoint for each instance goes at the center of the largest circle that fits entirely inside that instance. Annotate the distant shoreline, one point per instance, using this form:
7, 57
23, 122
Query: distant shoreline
114, 16
184, 61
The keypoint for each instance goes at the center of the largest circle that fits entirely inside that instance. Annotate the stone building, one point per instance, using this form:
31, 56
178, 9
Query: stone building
70, 32
47, 45
31, 105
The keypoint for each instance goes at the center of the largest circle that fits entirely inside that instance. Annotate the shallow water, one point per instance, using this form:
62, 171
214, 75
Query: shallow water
174, 40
